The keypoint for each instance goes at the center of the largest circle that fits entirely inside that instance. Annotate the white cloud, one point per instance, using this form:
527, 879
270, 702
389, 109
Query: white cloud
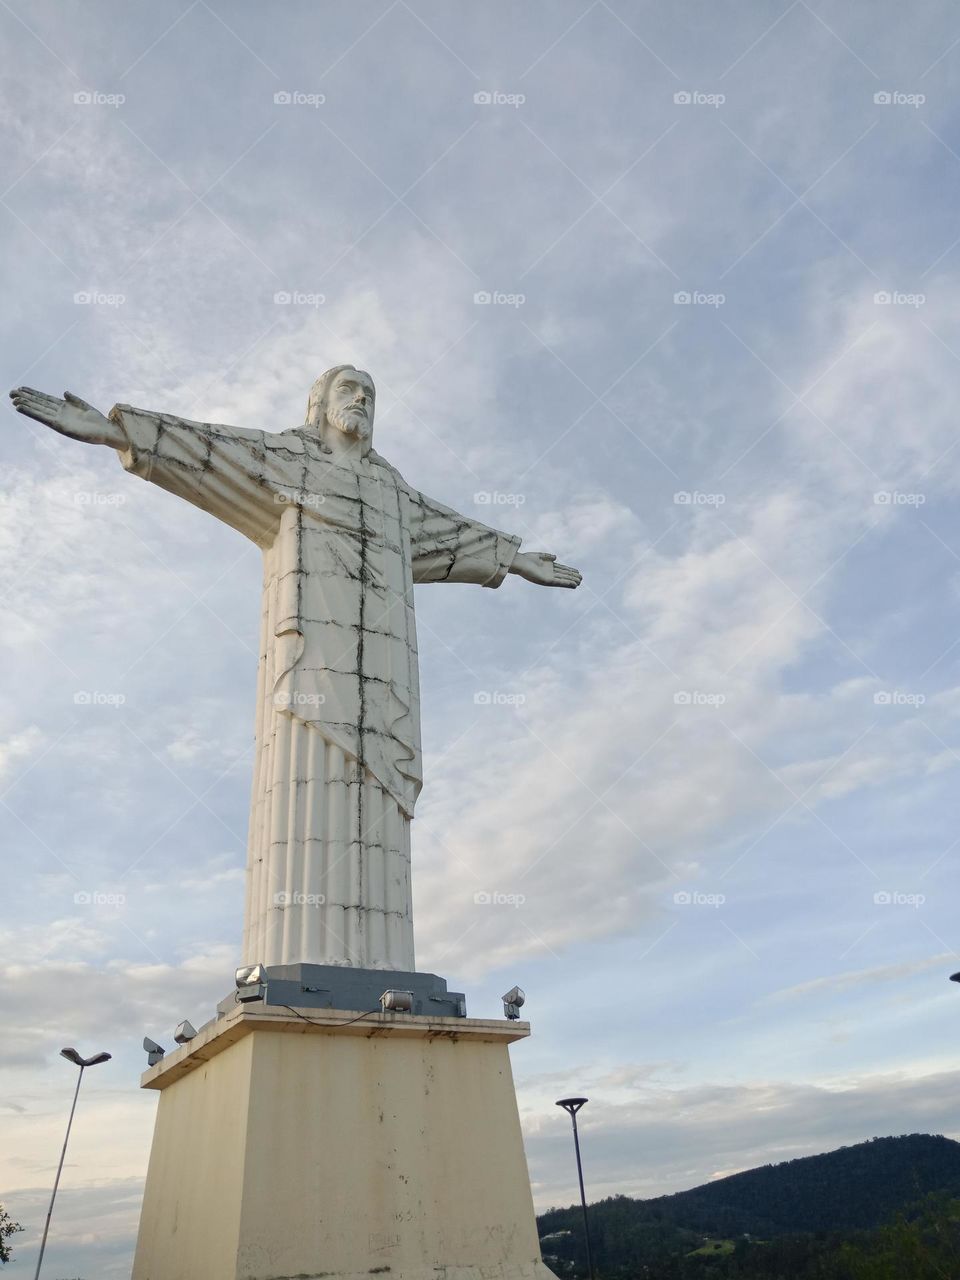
840, 982
19, 746
667, 1139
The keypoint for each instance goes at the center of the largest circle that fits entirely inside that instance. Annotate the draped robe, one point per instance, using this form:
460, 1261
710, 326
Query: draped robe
338, 759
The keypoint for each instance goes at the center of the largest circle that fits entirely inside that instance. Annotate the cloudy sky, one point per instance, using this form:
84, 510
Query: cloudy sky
668, 290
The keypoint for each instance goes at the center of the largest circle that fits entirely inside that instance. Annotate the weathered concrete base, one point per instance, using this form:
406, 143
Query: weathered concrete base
291, 1149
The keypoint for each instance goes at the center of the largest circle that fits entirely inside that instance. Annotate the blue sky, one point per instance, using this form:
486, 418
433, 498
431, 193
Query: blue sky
722, 775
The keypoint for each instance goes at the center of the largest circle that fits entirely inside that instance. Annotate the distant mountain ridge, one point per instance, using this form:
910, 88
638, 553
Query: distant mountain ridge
847, 1189
853, 1188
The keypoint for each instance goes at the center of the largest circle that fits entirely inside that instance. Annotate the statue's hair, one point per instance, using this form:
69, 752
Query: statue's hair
317, 401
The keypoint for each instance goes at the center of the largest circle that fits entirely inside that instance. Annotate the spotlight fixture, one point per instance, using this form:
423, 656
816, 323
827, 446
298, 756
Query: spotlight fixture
154, 1051
251, 980
397, 1002
955, 977
184, 1032
512, 1002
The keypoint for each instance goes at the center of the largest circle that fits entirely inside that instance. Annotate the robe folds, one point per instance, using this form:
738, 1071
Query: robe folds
338, 757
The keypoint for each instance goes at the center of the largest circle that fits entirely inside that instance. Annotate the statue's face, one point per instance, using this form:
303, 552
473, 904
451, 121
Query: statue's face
350, 403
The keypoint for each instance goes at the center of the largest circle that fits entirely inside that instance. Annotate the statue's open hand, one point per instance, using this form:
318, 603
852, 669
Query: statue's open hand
71, 416
542, 568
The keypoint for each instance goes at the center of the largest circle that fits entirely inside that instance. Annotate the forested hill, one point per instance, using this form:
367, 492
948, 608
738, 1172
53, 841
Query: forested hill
851, 1188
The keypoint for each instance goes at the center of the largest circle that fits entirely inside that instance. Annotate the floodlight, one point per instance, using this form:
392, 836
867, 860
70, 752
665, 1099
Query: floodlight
154, 1051
184, 1032
512, 1002
251, 975
397, 1001
955, 977
251, 982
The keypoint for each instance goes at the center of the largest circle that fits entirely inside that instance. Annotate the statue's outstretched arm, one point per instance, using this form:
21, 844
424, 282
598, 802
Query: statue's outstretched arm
71, 416
450, 547
223, 470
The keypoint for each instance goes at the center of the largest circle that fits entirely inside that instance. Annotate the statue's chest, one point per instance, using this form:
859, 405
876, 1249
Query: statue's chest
364, 506
350, 525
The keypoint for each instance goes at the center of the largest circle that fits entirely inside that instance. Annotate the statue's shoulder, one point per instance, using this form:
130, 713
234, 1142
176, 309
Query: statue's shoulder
289, 441
377, 460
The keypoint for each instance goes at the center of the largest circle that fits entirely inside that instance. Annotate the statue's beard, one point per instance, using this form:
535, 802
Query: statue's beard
350, 422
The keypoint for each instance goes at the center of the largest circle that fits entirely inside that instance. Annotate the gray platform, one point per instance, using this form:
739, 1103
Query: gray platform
322, 986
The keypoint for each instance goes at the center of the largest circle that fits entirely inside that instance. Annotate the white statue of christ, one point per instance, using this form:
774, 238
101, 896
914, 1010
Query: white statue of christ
344, 538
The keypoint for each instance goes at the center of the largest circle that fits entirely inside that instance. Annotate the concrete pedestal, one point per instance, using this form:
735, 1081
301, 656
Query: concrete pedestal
288, 1149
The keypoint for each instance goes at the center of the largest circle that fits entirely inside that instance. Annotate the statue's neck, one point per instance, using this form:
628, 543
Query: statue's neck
342, 447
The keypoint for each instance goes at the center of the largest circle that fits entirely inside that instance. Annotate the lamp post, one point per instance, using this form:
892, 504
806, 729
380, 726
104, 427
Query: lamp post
572, 1106
72, 1056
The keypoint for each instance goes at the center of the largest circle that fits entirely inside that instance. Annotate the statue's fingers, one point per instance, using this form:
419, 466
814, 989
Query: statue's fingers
31, 410
28, 395
75, 400
20, 395
25, 400
36, 404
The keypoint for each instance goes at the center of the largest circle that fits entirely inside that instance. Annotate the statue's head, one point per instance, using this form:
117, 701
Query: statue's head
343, 399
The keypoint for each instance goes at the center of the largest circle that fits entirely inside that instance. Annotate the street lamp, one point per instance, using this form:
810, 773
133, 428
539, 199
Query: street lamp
71, 1055
572, 1106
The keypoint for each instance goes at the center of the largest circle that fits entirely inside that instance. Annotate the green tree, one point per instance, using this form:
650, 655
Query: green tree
8, 1228
924, 1246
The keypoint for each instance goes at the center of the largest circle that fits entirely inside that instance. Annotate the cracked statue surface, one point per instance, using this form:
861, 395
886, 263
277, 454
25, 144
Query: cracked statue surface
344, 539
